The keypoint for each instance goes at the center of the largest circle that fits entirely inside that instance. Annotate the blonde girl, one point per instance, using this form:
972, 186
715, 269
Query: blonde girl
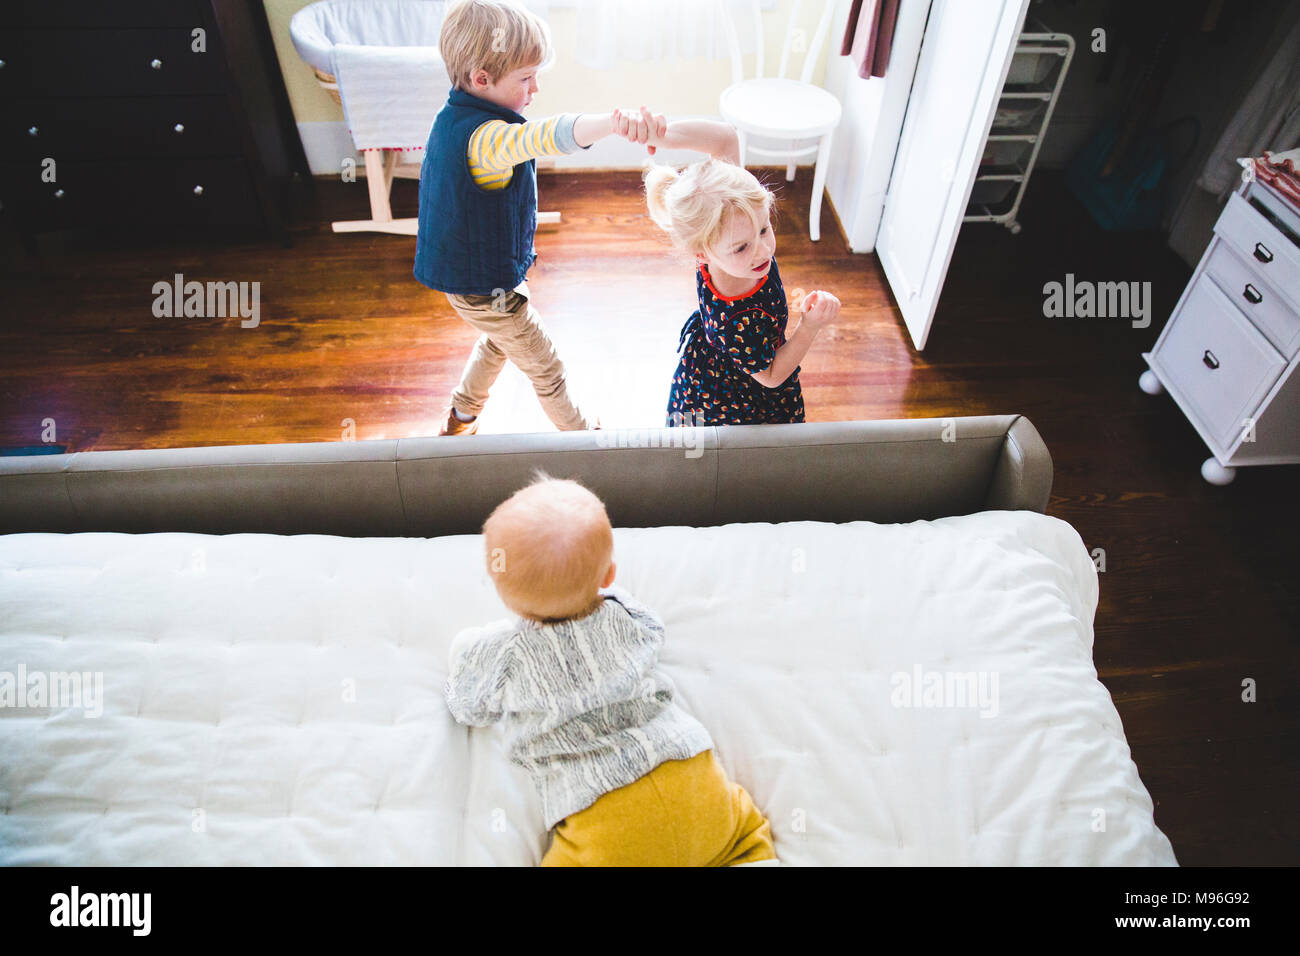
739, 358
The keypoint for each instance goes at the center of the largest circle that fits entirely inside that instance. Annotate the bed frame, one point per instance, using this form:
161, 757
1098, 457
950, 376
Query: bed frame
883, 471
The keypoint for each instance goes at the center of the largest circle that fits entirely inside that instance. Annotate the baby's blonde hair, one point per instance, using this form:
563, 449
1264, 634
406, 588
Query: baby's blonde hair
499, 36
692, 205
548, 548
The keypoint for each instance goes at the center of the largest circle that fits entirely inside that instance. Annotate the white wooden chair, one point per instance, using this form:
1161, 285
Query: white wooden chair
777, 108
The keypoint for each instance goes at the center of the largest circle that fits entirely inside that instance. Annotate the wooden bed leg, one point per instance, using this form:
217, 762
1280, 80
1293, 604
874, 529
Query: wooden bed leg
379, 171
381, 168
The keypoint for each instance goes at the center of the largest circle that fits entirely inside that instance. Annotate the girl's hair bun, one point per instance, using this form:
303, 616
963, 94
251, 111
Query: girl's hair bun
691, 205
658, 180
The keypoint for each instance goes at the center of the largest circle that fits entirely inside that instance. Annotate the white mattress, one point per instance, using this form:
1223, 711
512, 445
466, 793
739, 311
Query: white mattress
227, 735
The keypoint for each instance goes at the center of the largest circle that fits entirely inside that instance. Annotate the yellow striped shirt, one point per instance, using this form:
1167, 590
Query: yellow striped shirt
497, 147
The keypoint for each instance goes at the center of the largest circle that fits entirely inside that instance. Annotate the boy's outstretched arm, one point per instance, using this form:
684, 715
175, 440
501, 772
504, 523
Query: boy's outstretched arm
590, 128
496, 147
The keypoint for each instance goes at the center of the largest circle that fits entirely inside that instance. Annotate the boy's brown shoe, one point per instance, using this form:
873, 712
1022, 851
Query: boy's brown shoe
454, 426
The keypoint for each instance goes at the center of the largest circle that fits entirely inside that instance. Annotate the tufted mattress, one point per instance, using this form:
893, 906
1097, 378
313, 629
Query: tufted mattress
889, 694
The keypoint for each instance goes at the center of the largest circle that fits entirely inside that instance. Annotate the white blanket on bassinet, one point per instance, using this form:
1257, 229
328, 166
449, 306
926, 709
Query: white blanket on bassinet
391, 94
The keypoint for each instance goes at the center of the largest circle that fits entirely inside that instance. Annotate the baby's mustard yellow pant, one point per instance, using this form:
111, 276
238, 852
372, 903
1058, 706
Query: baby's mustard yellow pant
682, 813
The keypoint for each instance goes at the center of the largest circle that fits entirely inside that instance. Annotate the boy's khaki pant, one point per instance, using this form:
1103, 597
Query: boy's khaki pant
682, 813
512, 330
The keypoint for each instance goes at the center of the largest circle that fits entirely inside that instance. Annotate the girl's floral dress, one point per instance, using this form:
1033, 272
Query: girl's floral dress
725, 340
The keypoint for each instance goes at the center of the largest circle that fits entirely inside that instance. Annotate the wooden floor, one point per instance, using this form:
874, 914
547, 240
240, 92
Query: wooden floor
1199, 591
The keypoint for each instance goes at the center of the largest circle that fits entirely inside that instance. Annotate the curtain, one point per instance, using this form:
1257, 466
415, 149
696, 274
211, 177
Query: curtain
662, 30
869, 35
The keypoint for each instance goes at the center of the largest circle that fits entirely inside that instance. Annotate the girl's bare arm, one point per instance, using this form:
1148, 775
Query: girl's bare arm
787, 357
717, 139
820, 309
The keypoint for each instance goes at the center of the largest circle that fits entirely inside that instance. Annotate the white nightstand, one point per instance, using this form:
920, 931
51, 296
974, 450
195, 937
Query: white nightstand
1230, 353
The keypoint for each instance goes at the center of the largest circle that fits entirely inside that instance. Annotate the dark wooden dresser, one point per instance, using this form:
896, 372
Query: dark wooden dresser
165, 116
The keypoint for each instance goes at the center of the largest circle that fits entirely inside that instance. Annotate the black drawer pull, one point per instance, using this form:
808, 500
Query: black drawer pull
1262, 253
1209, 359
1251, 294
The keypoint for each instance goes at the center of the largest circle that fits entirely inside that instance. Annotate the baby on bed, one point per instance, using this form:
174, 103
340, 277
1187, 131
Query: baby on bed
626, 776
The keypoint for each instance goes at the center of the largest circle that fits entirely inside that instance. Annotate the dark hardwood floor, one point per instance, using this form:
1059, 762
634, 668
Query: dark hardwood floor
1199, 591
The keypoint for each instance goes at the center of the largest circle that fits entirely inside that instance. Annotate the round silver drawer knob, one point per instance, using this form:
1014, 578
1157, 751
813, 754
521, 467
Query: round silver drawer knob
58, 194
179, 128
2, 64
33, 131
156, 64
198, 190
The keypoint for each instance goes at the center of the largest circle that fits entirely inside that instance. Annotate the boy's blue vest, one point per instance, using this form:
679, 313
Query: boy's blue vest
472, 241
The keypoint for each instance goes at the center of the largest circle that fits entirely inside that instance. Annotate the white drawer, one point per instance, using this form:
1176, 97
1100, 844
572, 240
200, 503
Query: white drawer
1272, 253
1216, 361
1257, 299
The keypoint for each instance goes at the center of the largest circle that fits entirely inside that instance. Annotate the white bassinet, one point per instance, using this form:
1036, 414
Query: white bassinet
318, 32
316, 28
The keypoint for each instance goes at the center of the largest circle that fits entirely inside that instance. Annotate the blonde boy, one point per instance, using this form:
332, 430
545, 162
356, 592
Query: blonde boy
478, 200
626, 777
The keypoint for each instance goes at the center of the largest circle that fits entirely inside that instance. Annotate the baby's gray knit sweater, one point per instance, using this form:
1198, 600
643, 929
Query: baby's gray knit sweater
585, 709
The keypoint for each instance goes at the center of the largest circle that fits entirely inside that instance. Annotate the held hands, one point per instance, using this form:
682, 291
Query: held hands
717, 139
640, 126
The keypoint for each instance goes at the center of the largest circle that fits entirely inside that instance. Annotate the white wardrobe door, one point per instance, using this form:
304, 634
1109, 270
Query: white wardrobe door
964, 60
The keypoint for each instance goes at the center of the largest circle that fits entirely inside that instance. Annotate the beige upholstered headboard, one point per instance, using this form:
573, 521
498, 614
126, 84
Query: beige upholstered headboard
884, 471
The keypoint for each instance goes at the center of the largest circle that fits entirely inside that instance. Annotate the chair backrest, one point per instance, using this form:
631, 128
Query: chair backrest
794, 36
